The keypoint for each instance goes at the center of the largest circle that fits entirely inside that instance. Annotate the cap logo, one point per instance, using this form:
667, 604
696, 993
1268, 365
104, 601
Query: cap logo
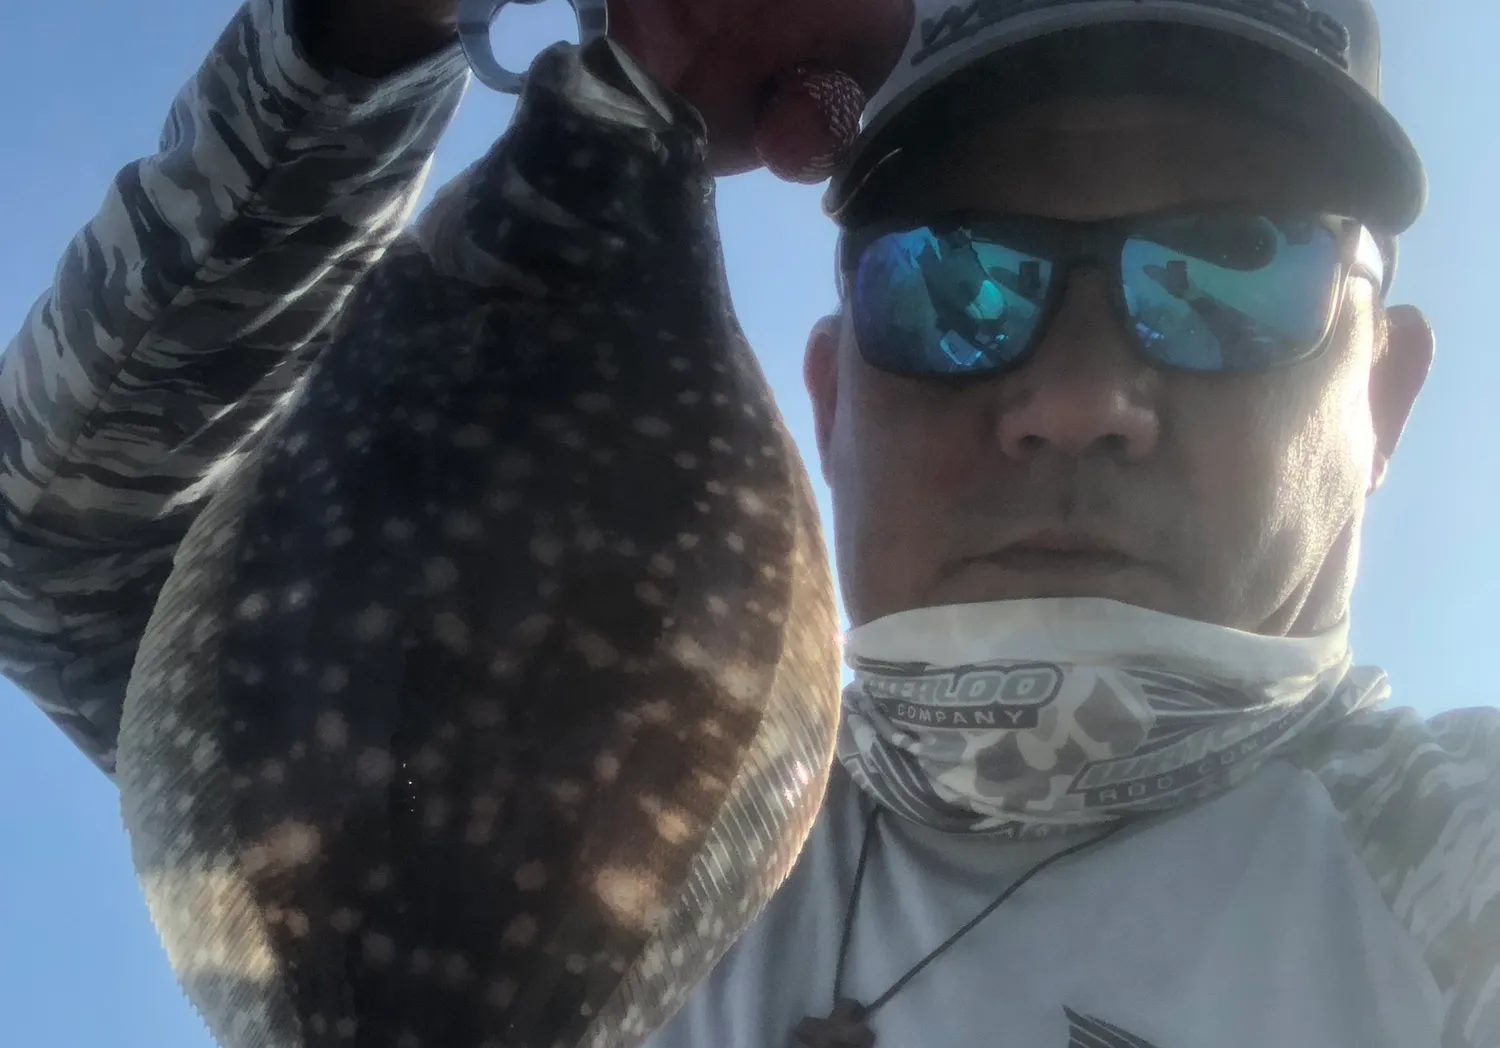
1317, 29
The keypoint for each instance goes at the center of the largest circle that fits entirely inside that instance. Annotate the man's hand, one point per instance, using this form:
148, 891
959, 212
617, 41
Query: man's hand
724, 55
375, 38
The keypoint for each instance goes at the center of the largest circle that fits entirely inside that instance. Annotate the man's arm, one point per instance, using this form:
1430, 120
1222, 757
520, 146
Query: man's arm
180, 312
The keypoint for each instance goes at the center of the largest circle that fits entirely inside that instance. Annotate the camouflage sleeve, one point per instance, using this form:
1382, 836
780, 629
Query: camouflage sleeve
1422, 803
177, 314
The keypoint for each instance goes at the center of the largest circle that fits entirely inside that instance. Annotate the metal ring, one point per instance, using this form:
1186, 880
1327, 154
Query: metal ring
476, 16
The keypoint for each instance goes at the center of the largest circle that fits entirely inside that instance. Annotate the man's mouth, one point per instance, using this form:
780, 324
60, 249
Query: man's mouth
1055, 550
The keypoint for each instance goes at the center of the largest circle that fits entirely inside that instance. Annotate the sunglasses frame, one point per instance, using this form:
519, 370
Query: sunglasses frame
1072, 246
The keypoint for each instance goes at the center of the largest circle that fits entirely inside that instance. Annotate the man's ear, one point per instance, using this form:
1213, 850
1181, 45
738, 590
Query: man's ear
820, 373
1399, 371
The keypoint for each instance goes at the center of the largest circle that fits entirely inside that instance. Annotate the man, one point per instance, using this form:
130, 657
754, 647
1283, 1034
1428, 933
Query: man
1106, 776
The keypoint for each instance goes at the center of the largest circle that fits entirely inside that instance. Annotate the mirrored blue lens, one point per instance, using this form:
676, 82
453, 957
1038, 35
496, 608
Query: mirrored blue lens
946, 303
1230, 292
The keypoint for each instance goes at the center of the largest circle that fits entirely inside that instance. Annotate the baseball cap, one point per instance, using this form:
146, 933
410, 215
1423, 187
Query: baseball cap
1310, 65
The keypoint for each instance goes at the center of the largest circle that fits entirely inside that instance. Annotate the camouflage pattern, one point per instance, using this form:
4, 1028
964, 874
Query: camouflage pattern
178, 314
207, 281
1033, 749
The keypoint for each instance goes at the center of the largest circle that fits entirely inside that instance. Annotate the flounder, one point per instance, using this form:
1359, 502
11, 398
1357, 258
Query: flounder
494, 687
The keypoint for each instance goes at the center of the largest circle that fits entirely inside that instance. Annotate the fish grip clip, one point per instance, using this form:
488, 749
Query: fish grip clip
475, 17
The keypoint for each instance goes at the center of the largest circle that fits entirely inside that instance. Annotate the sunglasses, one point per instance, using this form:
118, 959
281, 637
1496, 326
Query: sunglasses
1209, 291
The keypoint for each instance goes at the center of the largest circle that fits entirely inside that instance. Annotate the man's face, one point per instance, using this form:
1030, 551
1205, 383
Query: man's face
1228, 499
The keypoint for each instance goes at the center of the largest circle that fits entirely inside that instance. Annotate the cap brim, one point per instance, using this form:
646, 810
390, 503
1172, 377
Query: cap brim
1151, 48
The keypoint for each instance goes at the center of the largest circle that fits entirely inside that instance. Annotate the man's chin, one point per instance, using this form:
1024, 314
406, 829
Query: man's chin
981, 581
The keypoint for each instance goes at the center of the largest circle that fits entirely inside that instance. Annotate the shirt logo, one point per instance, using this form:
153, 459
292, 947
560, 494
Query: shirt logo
1317, 29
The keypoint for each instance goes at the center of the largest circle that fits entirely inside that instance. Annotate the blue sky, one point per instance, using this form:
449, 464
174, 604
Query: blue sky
83, 89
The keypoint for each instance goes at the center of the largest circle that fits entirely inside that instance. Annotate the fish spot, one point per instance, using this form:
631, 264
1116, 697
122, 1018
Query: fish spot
501, 992
651, 426
718, 606
606, 767
592, 402
631, 896
719, 444
289, 845
685, 460
531, 876
335, 678
456, 969
749, 502
398, 529
374, 623
534, 628
520, 931
567, 791
378, 879
435, 813
441, 574
462, 525
344, 920
679, 363
687, 540
576, 964
297, 595
650, 594
596, 649
339, 536
374, 766
689, 397
477, 834
589, 539
332, 730
502, 501
472, 436
546, 549
451, 632
253, 607
734, 541
657, 711
485, 713
296, 923
661, 564
428, 762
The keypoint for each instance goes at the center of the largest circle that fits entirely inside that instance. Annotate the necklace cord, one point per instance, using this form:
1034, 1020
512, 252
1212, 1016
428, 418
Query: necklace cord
899, 984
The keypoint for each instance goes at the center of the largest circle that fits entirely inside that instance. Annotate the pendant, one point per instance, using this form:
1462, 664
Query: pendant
845, 1027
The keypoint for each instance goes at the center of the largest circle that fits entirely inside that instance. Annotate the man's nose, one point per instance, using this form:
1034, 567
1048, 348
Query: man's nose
1085, 389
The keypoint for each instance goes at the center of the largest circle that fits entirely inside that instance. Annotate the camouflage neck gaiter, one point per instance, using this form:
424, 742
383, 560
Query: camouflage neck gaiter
1039, 717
